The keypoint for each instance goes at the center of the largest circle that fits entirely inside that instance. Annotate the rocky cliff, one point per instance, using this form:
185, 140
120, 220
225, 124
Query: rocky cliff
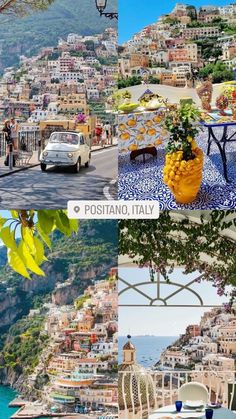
82, 258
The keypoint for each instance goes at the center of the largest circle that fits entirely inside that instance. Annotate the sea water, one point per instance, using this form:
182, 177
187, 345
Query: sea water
148, 348
6, 396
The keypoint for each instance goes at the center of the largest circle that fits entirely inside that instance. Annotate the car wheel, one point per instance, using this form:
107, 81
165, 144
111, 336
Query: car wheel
43, 167
88, 162
76, 167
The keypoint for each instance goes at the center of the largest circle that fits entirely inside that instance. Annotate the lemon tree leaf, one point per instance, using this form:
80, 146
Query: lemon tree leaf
17, 264
15, 214
44, 237
46, 222
30, 262
74, 225
8, 238
62, 223
39, 251
2, 221
51, 213
28, 237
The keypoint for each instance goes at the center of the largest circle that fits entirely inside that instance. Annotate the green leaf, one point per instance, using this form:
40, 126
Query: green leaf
44, 237
62, 223
2, 221
46, 222
28, 237
17, 264
15, 214
39, 251
8, 238
30, 262
74, 225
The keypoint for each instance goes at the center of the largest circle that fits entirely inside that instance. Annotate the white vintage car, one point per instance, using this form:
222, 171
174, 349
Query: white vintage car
66, 149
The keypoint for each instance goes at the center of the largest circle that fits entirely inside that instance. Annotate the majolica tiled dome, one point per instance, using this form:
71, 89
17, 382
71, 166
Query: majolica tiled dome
135, 384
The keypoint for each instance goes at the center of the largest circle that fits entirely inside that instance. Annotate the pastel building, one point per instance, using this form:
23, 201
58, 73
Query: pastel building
173, 358
227, 338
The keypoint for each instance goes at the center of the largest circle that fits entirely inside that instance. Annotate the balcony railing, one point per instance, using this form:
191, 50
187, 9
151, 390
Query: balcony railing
140, 393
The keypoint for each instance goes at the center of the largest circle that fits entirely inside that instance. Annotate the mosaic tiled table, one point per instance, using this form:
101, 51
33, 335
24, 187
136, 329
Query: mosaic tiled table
139, 182
140, 132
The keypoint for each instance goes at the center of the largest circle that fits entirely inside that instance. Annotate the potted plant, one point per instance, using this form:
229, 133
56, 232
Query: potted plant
184, 159
229, 91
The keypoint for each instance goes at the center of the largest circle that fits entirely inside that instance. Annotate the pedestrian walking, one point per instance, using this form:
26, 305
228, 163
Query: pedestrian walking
7, 131
14, 132
98, 133
9, 141
107, 130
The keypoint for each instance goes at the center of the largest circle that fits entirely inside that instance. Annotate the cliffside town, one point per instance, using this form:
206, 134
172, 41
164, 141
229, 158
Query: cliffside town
181, 46
208, 346
76, 369
72, 78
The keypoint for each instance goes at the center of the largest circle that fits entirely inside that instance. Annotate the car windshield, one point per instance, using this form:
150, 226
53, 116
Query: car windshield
65, 138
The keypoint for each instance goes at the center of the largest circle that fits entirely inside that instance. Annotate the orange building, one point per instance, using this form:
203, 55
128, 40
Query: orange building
138, 60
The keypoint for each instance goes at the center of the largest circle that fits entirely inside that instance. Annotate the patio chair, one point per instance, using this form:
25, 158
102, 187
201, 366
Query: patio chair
193, 391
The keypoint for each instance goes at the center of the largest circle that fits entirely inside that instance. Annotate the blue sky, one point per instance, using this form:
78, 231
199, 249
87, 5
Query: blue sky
7, 214
136, 14
162, 321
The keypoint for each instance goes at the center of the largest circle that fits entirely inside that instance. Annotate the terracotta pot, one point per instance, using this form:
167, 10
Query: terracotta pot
184, 177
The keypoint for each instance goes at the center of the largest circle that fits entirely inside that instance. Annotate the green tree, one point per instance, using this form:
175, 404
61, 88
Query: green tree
27, 252
153, 80
171, 21
129, 81
219, 72
192, 12
23, 7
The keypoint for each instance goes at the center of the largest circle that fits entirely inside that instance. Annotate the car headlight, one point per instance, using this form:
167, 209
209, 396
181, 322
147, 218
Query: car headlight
45, 153
70, 155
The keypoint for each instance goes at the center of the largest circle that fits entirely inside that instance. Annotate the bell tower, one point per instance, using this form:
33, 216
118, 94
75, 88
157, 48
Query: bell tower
129, 352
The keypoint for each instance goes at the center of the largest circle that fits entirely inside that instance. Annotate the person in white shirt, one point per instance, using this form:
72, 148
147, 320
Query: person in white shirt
107, 129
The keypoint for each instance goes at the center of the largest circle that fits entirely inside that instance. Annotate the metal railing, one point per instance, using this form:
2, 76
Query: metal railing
3, 144
29, 141
146, 391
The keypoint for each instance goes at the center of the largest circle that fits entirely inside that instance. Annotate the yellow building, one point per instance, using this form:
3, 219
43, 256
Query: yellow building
73, 103
50, 126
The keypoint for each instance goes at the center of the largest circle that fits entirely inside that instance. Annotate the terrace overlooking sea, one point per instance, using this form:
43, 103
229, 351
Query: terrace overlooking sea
149, 348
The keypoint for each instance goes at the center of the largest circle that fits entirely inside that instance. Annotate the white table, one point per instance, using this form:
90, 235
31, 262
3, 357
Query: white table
170, 411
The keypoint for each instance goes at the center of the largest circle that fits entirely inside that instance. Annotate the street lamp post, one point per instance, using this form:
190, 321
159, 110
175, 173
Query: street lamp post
101, 6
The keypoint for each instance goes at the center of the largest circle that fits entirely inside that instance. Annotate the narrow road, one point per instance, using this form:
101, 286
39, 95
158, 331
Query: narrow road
52, 189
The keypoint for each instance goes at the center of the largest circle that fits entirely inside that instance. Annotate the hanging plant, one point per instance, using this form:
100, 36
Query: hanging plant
201, 246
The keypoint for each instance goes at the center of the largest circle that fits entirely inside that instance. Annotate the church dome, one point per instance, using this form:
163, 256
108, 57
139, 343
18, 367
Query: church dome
136, 391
